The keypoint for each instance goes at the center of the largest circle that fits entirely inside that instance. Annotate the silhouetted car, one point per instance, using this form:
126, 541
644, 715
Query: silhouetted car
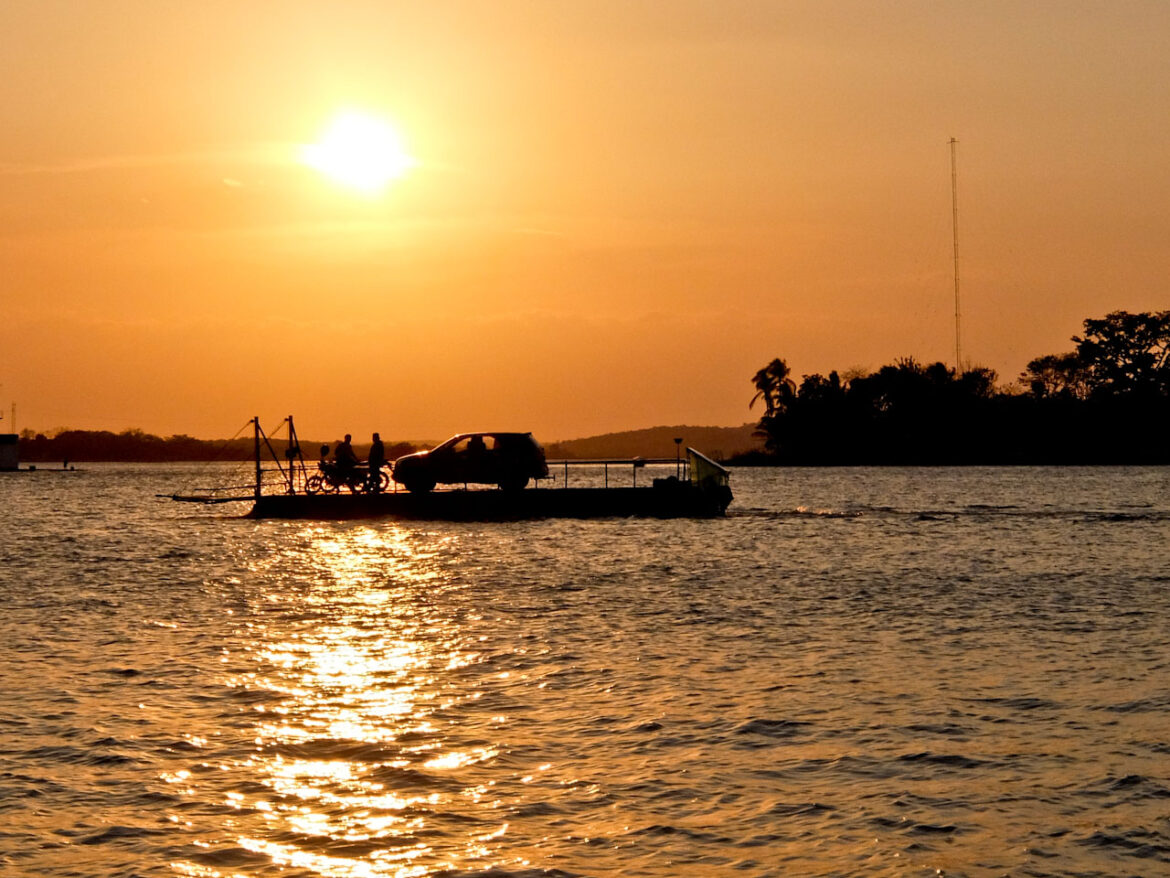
505, 459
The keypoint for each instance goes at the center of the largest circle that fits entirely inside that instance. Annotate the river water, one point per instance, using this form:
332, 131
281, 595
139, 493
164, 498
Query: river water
856, 672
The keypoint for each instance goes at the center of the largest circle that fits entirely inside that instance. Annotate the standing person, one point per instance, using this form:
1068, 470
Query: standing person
375, 462
344, 457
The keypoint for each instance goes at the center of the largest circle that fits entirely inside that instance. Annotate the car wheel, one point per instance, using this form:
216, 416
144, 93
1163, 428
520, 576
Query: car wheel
420, 486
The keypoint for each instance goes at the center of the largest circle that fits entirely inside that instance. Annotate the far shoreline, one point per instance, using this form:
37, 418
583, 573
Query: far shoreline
75, 466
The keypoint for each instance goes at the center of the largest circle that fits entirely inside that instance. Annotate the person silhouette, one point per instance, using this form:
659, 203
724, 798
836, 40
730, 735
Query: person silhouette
343, 455
375, 462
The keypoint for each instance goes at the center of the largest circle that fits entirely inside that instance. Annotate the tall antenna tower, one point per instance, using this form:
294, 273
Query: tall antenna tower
955, 233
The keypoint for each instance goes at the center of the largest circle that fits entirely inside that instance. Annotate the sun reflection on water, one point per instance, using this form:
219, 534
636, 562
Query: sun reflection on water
348, 766
379, 864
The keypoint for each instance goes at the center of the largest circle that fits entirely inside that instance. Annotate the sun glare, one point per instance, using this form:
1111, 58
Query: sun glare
360, 151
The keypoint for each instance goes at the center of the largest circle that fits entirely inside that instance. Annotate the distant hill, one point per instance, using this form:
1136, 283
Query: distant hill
716, 442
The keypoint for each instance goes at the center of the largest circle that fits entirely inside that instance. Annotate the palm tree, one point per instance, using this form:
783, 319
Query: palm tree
774, 385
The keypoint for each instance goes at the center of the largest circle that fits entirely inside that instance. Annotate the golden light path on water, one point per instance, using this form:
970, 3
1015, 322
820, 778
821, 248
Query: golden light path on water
358, 685
884, 672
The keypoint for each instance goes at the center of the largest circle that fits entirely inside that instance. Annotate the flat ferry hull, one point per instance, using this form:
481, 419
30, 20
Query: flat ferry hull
675, 501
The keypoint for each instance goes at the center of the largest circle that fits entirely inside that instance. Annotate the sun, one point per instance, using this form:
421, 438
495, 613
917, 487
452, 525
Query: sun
360, 151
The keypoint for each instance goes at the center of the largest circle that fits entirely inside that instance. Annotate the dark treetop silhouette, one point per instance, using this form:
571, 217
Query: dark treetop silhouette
1108, 401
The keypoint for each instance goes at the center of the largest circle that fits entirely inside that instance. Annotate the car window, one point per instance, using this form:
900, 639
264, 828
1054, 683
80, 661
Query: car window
473, 444
514, 444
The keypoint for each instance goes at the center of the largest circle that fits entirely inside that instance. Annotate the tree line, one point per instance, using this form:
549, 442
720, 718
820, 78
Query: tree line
1107, 401
136, 445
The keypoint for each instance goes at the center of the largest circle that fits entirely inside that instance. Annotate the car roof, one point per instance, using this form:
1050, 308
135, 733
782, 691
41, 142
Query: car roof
493, 433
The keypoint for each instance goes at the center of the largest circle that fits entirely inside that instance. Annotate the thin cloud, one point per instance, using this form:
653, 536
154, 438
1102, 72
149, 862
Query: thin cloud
541, 233
262, 154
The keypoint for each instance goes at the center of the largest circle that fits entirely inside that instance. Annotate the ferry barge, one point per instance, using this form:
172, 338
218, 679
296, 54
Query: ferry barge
687, 486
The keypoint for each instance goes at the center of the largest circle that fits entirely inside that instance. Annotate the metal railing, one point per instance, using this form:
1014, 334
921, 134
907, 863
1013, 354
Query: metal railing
680, 465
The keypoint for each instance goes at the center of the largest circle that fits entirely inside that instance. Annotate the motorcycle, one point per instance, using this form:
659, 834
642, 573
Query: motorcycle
331, 479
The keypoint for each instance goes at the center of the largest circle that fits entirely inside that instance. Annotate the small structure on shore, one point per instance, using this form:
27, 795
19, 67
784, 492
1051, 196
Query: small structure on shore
9, 452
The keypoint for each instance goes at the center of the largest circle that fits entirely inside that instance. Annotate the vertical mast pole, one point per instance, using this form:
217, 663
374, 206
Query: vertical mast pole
288, 454
256, 437
955, 233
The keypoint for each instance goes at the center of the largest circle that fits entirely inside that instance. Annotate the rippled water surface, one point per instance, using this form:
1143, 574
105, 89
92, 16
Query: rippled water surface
857, 672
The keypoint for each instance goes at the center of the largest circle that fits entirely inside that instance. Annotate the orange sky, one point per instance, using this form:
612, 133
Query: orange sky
618, 210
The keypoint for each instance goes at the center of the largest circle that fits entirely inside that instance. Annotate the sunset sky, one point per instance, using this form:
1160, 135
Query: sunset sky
597, 216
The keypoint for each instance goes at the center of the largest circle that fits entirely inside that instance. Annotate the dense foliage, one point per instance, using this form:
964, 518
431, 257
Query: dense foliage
1107, 401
